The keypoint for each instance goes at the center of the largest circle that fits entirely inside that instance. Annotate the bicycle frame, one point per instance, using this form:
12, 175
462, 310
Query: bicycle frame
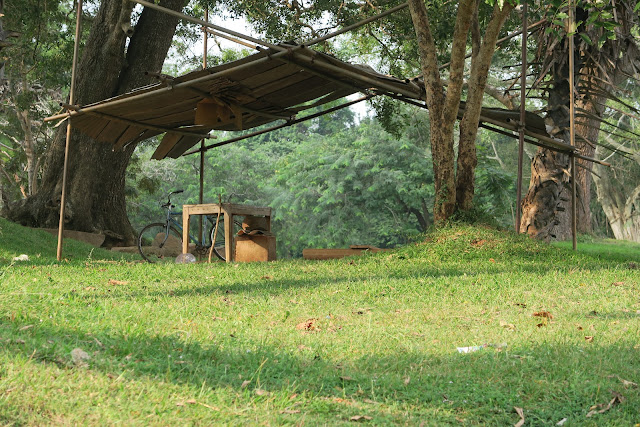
170, 220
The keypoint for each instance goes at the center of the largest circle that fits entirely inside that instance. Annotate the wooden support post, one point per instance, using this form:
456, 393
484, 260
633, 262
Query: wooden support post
63, 197
204, 67
572, 126
523, 111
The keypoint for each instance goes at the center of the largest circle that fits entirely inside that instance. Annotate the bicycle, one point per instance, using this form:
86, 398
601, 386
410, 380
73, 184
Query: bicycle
162, 241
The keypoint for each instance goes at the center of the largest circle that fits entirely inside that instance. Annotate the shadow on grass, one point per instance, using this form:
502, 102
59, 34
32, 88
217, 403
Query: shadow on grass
551, 381
193, 281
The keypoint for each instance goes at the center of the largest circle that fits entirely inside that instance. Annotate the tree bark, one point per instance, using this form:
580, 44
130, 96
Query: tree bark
622, 211
96, 174
600, 67
480, 63
443, 108
588, 111
546, 208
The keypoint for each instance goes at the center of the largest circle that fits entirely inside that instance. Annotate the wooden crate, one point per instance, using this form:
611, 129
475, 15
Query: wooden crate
255, 248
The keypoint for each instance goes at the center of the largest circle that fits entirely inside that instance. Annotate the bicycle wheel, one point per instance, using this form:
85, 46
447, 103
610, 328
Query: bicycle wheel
157, 244
219, 244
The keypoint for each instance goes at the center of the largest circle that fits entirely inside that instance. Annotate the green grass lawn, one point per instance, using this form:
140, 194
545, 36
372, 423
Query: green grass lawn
371, 339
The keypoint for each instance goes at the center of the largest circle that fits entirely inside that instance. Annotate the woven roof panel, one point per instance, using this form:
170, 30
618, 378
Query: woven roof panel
239, 95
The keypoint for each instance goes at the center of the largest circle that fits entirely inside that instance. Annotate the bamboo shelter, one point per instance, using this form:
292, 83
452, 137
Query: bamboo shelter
276, 84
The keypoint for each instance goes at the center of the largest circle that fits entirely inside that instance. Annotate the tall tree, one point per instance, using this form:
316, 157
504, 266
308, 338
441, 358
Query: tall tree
109, 66
455, 190
606, 54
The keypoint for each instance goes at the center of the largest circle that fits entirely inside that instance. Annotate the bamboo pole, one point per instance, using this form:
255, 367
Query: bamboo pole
361, 78
523, 112
231, 39
532, 28
572, 127
204, 67
205, 23
65, 167
356, 25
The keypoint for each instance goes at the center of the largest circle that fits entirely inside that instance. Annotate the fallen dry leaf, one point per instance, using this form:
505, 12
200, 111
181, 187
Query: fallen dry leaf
215, 408
308, 325
543, 314
407, 380
261, 392
24, 328
245, 383
117, 282
617, 283
562, 421
191, 401
266, 277
290, 411
346, 378
628, 383
492, 260
509, 326
360, 418
478, 242
589, 338
520, 413
90, 288
601, 408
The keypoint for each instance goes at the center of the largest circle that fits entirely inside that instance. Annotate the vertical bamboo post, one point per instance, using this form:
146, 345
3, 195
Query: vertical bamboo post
65, 167
523, 87
572, 126
204, 66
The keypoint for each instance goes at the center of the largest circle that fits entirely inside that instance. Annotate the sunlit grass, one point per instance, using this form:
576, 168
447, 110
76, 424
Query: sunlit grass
372, 339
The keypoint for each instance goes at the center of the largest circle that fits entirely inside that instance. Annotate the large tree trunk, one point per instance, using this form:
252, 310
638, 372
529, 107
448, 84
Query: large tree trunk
589, 109
603, 66
96, 174
622, 210
545, 208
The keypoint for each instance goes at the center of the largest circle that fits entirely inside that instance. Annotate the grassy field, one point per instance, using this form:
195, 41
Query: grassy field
102, 340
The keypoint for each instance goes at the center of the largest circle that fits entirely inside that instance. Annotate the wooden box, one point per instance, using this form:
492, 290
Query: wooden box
255, 248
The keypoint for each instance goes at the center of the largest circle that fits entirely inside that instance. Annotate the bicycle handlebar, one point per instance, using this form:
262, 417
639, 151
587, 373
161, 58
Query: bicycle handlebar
168, 204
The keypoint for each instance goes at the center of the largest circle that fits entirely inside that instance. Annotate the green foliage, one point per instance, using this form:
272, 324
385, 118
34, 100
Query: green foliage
37, 69
362, 186
330, 182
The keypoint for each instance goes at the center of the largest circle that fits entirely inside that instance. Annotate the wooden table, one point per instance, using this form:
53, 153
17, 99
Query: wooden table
229, 210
